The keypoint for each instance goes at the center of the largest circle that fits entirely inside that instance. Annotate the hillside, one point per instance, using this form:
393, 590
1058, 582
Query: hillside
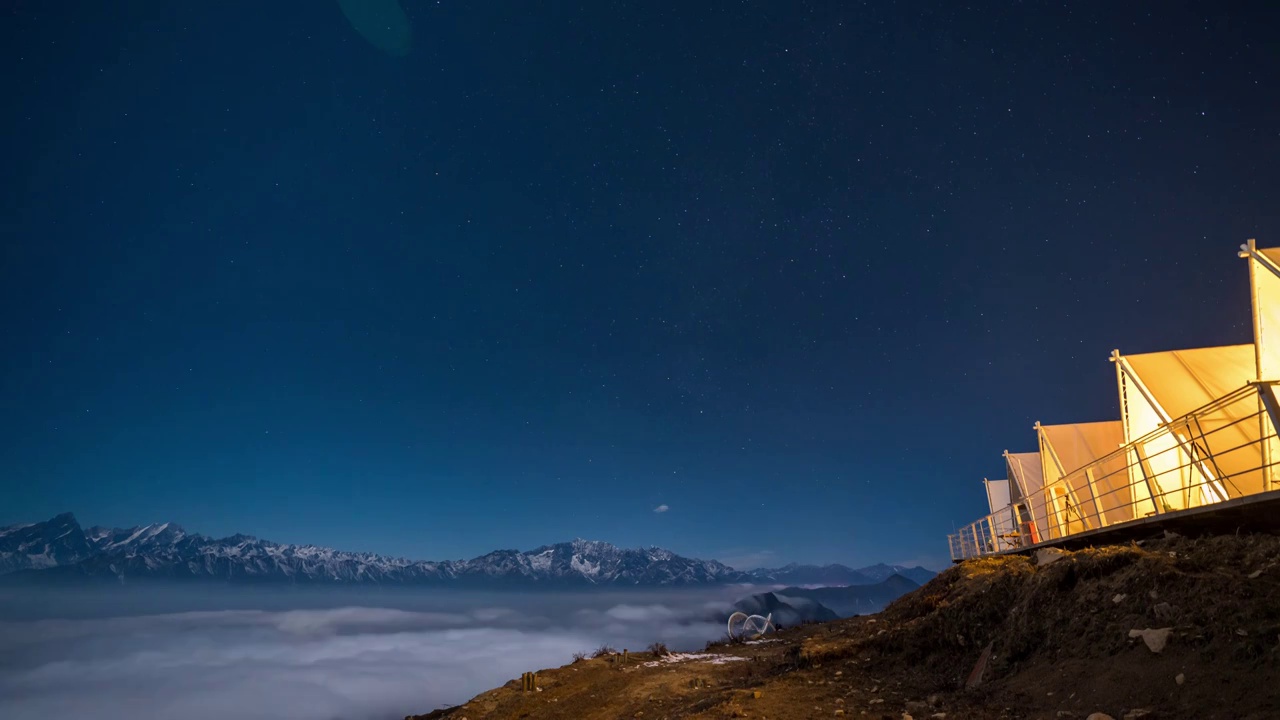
1072, 636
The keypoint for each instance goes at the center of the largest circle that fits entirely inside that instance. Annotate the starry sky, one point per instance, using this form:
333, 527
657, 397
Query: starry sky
797, 272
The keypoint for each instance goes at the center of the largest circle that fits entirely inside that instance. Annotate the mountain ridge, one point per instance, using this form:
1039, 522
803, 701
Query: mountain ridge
59, 550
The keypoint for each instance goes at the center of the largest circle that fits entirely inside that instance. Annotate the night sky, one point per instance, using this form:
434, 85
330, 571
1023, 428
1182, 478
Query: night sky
798, 271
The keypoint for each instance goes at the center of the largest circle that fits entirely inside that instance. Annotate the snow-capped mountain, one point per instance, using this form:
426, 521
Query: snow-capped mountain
828, 575
59, 550
55, 542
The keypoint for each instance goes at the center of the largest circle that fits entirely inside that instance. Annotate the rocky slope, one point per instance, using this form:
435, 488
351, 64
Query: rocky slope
1171, 628
60, 551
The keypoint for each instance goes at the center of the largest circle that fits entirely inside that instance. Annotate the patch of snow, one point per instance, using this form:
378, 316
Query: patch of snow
41, 560
584, 567
712, 658
542, 560
132, 537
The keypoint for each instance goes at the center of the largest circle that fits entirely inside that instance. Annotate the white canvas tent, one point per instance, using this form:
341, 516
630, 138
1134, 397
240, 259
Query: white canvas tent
1264, 286
997, 494
1027, 475
1196, 427
1100, 493
1156, 388
1003, 524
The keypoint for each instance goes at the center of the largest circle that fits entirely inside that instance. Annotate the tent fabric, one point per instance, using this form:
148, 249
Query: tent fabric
1158, 387
1002, 522
997, 494
1265, 282
1184, 380
1103, 494
1266, 310
1025, 472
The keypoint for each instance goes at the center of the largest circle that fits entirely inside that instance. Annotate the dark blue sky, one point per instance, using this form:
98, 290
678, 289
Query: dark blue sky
799, 271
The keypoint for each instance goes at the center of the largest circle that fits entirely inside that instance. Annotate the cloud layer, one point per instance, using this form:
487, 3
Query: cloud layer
319, 664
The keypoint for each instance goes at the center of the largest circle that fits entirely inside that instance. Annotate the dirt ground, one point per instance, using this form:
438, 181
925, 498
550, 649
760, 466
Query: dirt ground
1058, 637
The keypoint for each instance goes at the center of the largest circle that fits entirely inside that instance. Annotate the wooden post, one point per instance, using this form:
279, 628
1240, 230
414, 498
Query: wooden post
624, 654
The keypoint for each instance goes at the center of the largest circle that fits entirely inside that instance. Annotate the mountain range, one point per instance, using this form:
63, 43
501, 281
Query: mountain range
60, 550
795, 605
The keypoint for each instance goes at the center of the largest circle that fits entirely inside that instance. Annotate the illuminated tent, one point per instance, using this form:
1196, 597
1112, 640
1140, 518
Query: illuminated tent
997, 494
1188, 465
1264, 285
1085, 498
1000, 502
1027, 475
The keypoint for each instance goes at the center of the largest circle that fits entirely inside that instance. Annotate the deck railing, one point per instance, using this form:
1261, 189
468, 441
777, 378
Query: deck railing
1223, 450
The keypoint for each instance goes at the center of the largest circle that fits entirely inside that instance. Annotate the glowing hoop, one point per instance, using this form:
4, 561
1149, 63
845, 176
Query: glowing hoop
742, 626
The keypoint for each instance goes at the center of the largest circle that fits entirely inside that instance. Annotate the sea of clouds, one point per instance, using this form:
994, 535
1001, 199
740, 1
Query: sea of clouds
335, 656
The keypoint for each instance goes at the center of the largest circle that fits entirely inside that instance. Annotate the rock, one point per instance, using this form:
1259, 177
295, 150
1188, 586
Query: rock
1180, 678
1155, 638
1255, 574
1099, 716
1164, 611
1119, 597
1047, 556
1154, 595
1136, 713
1242, 632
